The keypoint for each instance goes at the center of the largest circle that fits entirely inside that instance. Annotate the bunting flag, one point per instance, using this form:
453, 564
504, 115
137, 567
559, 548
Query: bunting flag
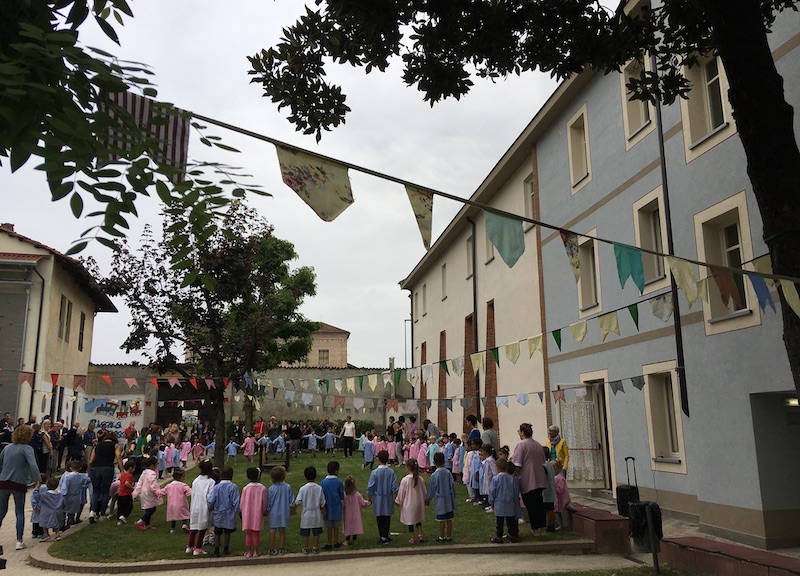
427, 373
210, 383
762, 292
274, 393
193, 382
351, 385
79, 381
477, 362
54, 380
541, 396
386, 378
616, 386
375, 403
26, 377
501, 400
225, 381
557, 337
398, 375
522, 399
684, 278
169, 125
629, 265
322, 184
131, 382
173, 382
391, 404
763, 265
506, 235
662, 307
558, 395
443, 365
496, 355
337, 383
534, 344
790, 295
727, 285
281, 383
447, 403
580, 392
358, 403
154, 382
608, 323
638, 382
412, 375
372, 380
634, 312
327, 385
484, 399
288, 395
306, 398
512, 352
458, 365
422, 205
225, 400
161, 404
411, 405
578, 331
570, 240
303, 384
248, 380
360, 383
466, 403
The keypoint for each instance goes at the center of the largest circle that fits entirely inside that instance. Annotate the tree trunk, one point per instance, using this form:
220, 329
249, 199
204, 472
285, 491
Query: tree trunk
217, 396
765, 122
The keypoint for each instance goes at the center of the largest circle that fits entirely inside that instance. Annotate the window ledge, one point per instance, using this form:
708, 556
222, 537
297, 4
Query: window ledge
737, 314
639, 130
469, 276
488, 260
655, 279
528, 226
590, 306
710, 135
580, 180
444, 298
665, 460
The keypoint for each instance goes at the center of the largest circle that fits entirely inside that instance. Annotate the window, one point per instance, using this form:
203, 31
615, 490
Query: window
662, 406
469, 257
444, 281
324, 357
68, 322
81, 332
489, 247
588, 284
636, 114
723, 235
62, 316
424, 299
528, 197
706, 113
580, 170
416, 306
651, 230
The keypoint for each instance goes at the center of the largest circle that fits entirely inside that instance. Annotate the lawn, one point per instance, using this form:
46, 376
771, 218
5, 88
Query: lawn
107, 542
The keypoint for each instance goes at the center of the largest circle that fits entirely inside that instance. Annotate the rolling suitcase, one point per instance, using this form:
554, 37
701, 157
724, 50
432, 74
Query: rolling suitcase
627, 493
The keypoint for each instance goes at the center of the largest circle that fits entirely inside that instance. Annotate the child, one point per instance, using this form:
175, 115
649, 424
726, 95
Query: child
147, 491
231, 450
280, 444
442, 491
186, 447
333, 489
549, 494
177, 493
422, 454
125, 492
36, 529
329, 439
449, 452
475, 466
169, 457
254, 508
361, 440
51, 509
487, 472
312, 442
433, 448
176, 457
311, 498
198, 451
161, 460
381, 489
369, 453
504, 499
563, 501
224, 506
198, 511
391, 448
210, 448
249, 446
73, 486
411, 499
351, 511
456, 460
280, 500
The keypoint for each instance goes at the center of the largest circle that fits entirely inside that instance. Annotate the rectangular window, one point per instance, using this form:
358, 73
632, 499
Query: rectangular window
489, 248
469, 257
636, 114
424, 299
324, 357
416, 306
81, 332
587, 285
528, 198
444, 281
62, 316
723, 246
578, 148
662, 408
651, 239
706, 113
68, 322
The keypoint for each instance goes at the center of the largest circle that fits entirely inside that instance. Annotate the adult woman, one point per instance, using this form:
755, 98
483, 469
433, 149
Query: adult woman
260, 427
141, 441
489, 436
55, 441
101, 472
348, 436
47, 450
474, 431
17, 467
412, 430
529, 460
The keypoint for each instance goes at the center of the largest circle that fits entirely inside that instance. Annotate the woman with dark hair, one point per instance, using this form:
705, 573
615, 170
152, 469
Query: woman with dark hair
17, 467
101, 473
412, 429
474, 431
489, 436
529, 460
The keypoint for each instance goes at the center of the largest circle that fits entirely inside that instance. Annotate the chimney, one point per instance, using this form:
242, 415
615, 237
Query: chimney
7, 226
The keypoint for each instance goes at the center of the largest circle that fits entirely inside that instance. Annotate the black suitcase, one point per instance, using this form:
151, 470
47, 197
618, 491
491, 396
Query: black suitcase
627, 493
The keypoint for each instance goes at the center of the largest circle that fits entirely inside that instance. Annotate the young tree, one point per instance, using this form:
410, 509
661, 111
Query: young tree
234, 310
443, 44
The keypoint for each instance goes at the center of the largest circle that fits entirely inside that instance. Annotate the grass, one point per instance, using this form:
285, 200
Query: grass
91, 543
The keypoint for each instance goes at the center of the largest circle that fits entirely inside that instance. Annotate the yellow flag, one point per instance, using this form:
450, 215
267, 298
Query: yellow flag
684, 278
534, 344
578, 330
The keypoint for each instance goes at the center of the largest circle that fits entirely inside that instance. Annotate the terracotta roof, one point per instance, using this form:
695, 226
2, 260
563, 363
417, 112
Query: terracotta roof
13, 257
328, 329
102, 302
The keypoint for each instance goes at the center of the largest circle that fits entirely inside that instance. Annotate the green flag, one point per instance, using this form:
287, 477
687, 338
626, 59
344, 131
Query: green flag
634, 310
557, 337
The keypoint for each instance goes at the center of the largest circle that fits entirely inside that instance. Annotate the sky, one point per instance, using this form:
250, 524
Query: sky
198, 51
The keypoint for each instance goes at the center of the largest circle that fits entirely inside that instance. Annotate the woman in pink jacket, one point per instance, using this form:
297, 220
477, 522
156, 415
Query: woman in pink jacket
147, 490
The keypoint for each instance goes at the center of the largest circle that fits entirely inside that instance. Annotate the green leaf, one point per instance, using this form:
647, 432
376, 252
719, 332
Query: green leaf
76, 204
189, 279
75, 248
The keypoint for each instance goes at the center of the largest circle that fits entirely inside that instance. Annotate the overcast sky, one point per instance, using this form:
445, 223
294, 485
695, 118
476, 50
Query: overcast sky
198, 51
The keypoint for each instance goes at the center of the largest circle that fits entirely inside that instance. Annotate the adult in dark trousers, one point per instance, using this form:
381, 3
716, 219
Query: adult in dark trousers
101, 472
74, 442
62, 444
348, 436
295, 435
18, 467
37, 443
6, 430
529, 461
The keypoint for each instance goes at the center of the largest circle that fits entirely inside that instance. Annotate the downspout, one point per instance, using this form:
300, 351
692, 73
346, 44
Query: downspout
475, 313
411, 315
676, 312
38, 339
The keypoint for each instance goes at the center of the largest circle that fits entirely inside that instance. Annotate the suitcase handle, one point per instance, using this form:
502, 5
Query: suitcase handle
628, 473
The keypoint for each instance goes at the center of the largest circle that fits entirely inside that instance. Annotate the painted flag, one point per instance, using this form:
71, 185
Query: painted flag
634, 311
501, 400
358, 403
534, 344
580, 392
422, 205
570, 240
522, 399
727, 285
25, 377
762, 292
557, 337
54, 380
477, 362
506, 235
458, 365
638, 382
558, 395
427, 373
662, 307
321, 183
684, 278
131, 382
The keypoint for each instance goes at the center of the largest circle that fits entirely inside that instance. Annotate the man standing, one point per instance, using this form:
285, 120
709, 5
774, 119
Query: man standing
295, 435
6, 430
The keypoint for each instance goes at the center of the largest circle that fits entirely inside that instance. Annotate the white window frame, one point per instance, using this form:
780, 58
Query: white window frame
444, 281
638, 116
580, 158
416, 306
698, 135
664, 417
646, 237
708, 226
424, 299
528, 194
588, 253
470, 271
327, 352
488, 243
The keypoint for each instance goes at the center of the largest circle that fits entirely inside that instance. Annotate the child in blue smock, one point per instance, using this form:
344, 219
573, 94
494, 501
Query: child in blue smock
224, 505
504, 499
333, 489
162, 461
369, 453
441, 490
381, 489
231, 450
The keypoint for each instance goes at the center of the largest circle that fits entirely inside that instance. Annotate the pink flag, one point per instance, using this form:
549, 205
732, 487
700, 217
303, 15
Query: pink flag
131, 382
173, 382
210, 383
78, 381
25, 377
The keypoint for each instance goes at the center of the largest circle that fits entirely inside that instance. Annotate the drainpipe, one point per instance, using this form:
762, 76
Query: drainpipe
474, 256
411, 315
38, 339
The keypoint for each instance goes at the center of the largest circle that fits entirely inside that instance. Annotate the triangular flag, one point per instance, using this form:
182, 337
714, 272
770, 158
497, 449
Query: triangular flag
443, 365
662, 307
448, 404
79, 381
638, 382
351, 385
580, 392
210, 383
306, 398
466, 403
512, 352
422, 205
387, 378
790, 295
304, 384
629, 265
193, 382
412, 374
477, 361
522, 399
372, 380
412, 405
337, 383
634, 311
763, 265
162, 403
398, 374
54, 379
289, 395
427, 373
458, 365
506, 235
541, 396
358, 403
557, 337
339, 401
684, 278
762, 292
173, 382
616, 386
570, 240
154, 382
26, 377
360, 383
322, 184
327, 385
391, 404
131, 382
558, 395
608, 323
496, 355
484, 399
727, 285
578, 331
534, 344
501, 400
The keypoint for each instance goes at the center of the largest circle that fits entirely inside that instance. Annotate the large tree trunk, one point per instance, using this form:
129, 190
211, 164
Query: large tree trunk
765, 122
217, 396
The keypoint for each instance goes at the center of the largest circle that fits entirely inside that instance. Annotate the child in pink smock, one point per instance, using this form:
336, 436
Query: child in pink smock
411, 499
422, 457
186, 447
563, 501
253, 505
177, 493
351, 507
249, 446
147, 490
198, 451
391, 448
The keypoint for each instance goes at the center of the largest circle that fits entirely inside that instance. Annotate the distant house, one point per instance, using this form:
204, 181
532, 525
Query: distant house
328, 349
47, 306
